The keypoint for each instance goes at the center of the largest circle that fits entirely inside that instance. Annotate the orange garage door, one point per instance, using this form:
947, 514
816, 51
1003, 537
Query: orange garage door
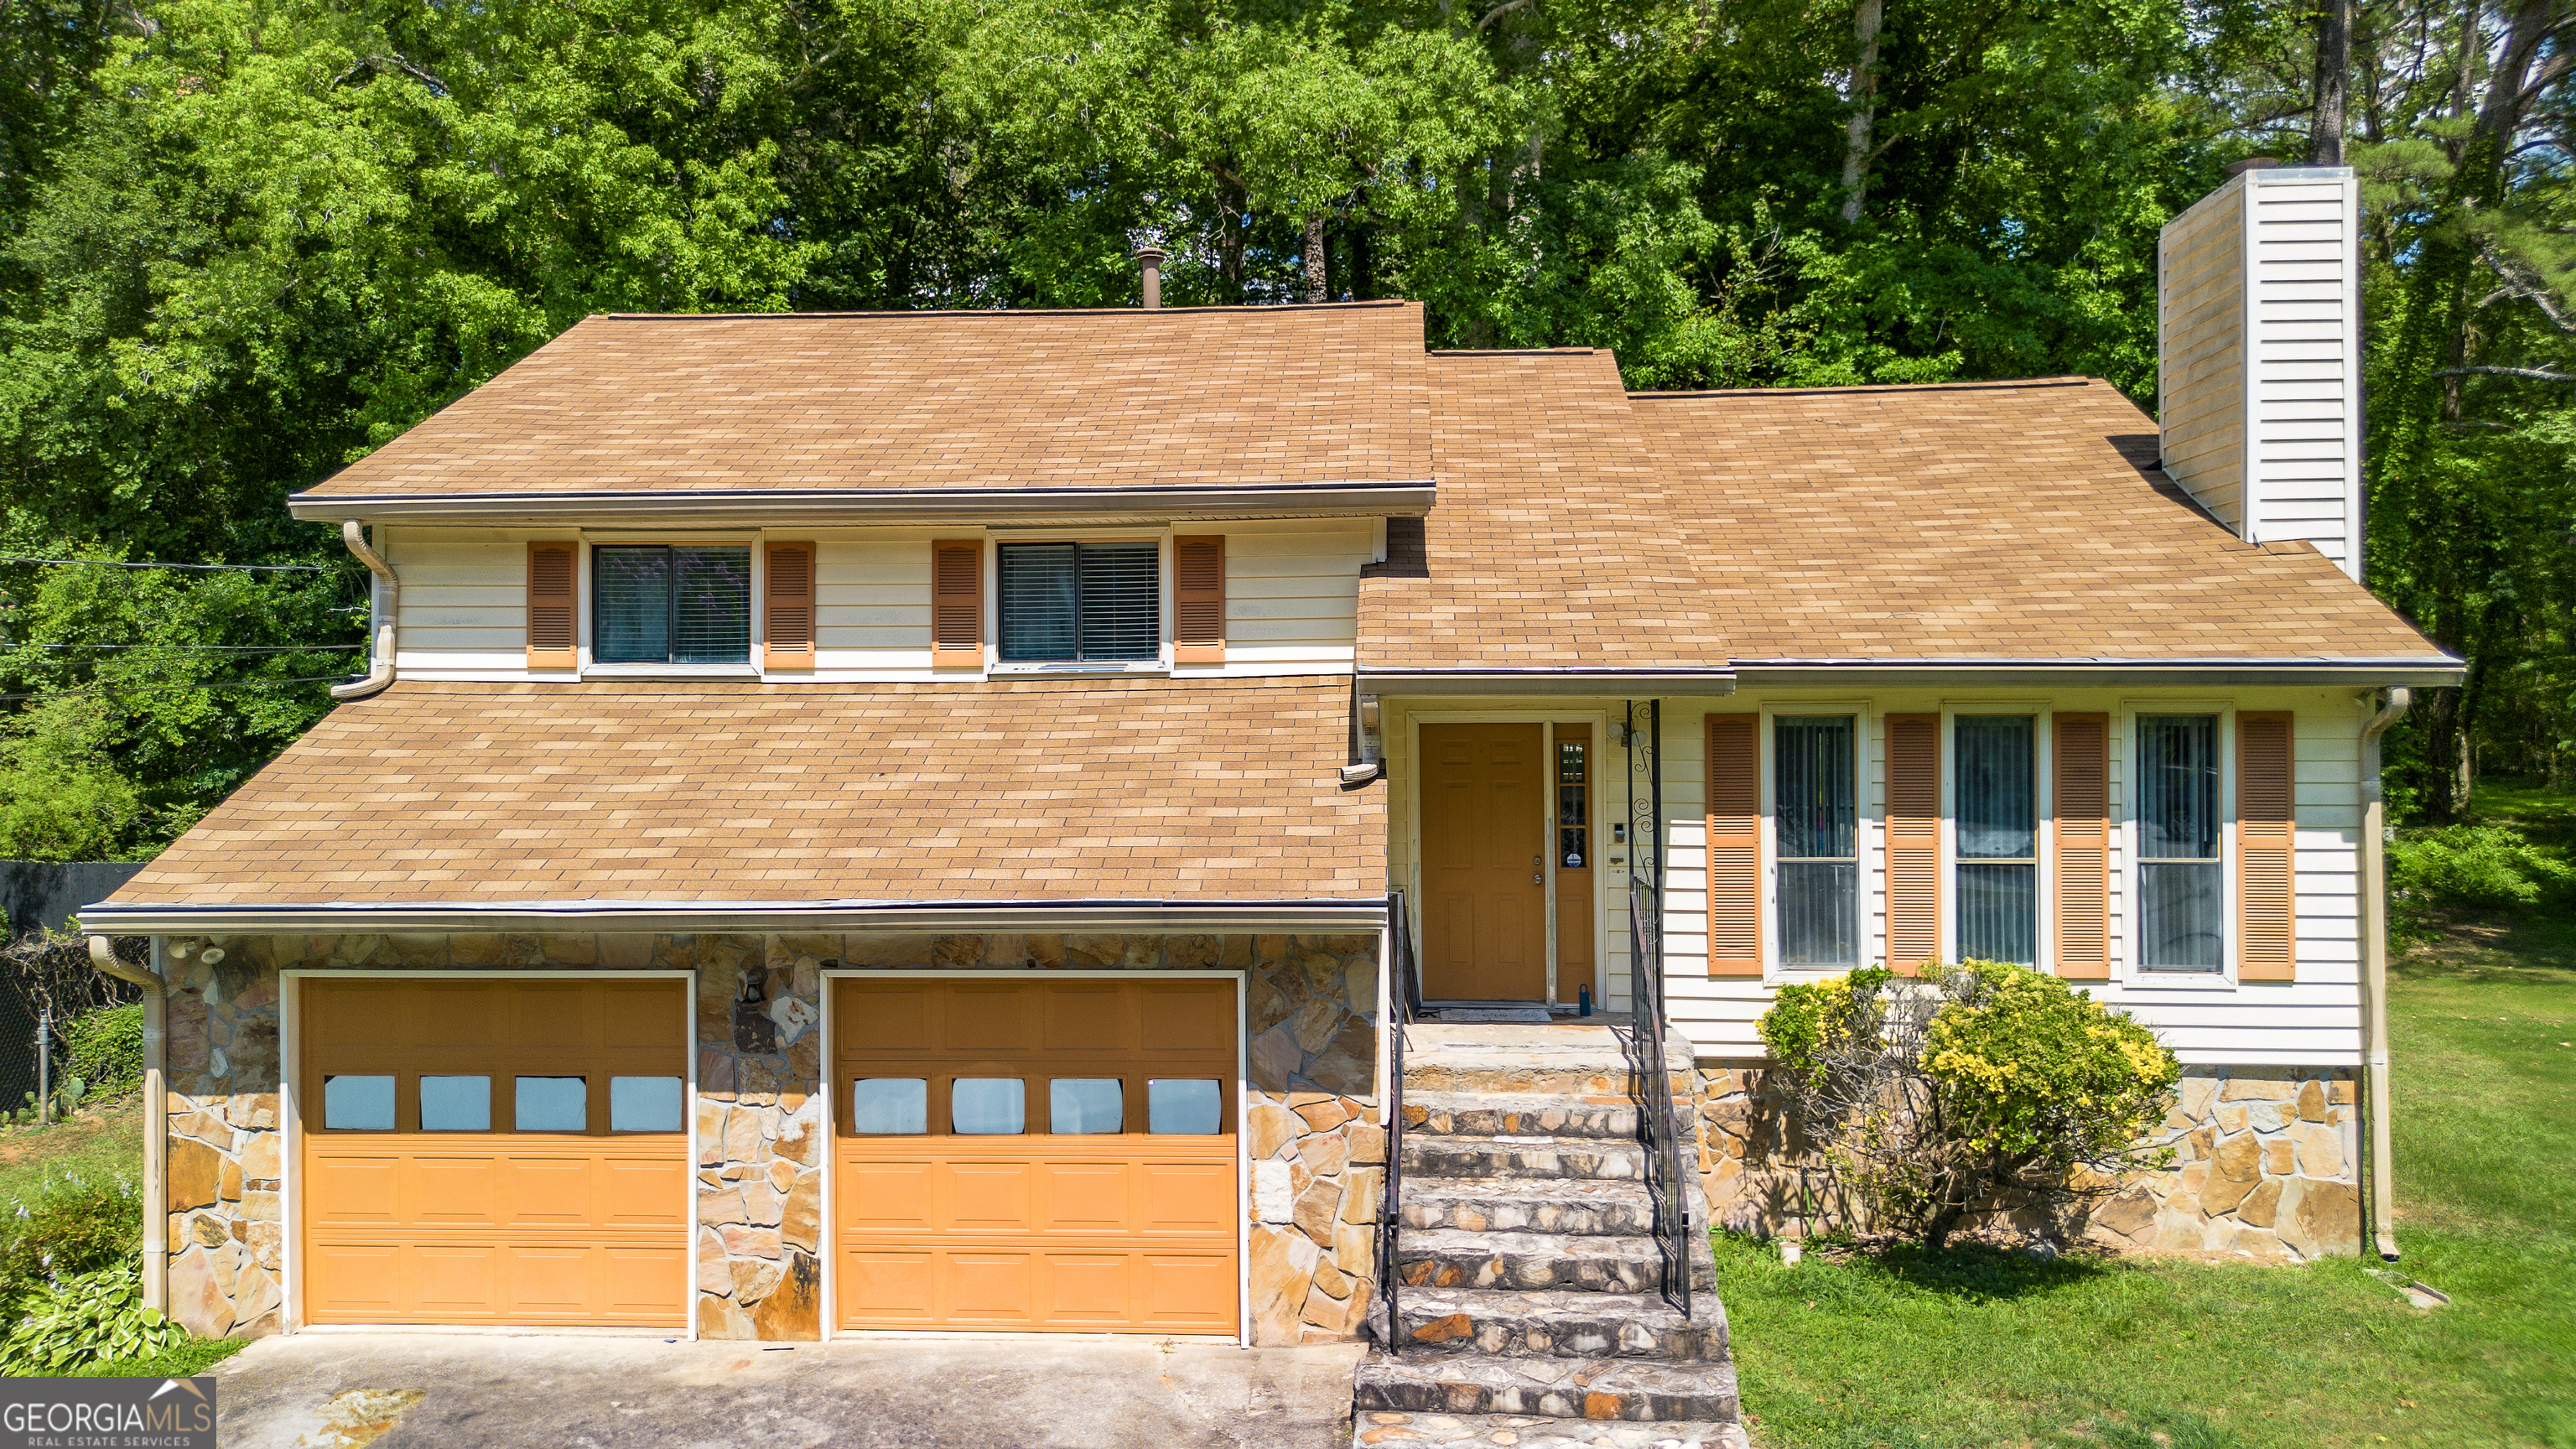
494, 1151
1036, 1154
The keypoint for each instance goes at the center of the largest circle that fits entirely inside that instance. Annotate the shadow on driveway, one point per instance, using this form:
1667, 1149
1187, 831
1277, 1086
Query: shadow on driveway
546, 1391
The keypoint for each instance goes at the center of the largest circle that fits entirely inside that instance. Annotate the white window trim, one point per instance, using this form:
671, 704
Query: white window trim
1869, 821
2043, 801
585, 613
2130, 971
1159, 665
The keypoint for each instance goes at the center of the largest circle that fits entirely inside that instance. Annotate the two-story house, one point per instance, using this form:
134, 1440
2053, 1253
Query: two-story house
905, 821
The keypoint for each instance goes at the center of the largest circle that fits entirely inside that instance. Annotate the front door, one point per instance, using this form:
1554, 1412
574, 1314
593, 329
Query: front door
1484, 844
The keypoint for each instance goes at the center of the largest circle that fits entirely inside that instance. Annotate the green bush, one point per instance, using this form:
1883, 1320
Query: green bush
73, 1224
83, 1318
2458, 868
106, 1050
1933, 1095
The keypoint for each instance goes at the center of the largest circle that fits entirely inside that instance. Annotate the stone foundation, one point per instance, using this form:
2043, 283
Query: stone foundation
2265, 1165
1311, 1028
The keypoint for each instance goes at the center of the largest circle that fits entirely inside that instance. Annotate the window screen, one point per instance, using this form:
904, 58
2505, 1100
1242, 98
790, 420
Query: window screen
2179, 890
1817, 820
1065, 602
1998, 842
665, 605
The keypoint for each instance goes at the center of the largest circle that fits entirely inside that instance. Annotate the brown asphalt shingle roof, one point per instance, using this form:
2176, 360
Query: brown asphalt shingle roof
1211, 397
1178, 790
1553, 542
1580, 526
1979, 521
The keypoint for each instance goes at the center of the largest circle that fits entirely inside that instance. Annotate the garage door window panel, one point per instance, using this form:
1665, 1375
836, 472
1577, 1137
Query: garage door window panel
455, 1104
644, 1104
1086, 1106
358, 1103
890, 1106
1184, 1106
552, 1104
989, 1106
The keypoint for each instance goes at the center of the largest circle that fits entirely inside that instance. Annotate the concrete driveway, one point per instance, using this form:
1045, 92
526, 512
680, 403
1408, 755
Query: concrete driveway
532, 1391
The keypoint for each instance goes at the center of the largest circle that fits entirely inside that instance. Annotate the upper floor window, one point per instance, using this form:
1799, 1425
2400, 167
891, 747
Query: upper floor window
1081, 602
1998, 838
1816, 815
658, 604
2180, 895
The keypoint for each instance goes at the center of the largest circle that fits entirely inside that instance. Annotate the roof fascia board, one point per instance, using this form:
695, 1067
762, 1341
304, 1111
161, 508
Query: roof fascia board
1400, 499
2432, 672
1168, 917
1585, 682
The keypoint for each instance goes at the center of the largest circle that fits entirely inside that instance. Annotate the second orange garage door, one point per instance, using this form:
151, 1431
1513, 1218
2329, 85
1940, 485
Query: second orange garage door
1036, 1154
495, 1151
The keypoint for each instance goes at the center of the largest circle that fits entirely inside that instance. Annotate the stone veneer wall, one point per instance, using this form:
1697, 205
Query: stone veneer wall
1311, 1008
2265, 1165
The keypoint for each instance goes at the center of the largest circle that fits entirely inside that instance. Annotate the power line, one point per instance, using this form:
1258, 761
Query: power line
200, 648
138, 688
109, 563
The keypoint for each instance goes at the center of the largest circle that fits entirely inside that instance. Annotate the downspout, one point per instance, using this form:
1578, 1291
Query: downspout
388, 605
156, 1117
2374, 967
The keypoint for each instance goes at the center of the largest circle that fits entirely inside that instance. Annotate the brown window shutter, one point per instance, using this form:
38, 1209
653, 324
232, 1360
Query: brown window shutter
1734, 845
551, 606
1198, 599
1913, 840
957, 604
2080, 792
787, 623
2266, 871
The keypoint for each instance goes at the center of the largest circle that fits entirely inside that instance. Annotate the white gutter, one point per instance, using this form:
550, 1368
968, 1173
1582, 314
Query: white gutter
156, 1117
2374, 970
1404, 498
2418, 670
1006, 917
387, 610
1639, 683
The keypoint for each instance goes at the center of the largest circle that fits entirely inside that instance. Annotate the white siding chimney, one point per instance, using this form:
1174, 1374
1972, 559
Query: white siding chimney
2258, 344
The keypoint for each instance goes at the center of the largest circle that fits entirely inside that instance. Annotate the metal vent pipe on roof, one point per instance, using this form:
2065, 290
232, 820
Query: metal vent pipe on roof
1151, 258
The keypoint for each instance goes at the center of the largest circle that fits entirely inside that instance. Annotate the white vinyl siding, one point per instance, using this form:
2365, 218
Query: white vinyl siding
1291, 607
2313, 1021
2260, 358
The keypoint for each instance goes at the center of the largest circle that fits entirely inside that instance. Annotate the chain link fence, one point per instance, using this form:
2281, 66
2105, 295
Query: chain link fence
46, 980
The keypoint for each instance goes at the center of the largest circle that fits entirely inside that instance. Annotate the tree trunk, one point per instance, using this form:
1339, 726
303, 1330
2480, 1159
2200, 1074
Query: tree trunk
1355, 259
1866, 16
2334, 77
1318, 289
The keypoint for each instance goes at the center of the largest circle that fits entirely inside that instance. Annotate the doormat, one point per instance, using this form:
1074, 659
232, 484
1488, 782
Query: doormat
1531, 1015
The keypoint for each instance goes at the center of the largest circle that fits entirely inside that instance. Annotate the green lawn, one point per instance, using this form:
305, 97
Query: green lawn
1985, 1349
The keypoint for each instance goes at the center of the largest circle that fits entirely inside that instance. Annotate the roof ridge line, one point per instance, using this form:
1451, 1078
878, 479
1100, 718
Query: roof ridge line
1985, 385
1374, 303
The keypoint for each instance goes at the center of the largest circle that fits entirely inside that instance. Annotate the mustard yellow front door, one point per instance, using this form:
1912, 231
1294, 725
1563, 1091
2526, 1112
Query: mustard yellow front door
1484, 928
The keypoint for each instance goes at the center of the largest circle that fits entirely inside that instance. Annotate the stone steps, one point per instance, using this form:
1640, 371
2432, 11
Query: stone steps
1389, 1428
1556, 1388
1574, 1206
1477, 1114
1592, 1158
1457, 1258
1560, 1324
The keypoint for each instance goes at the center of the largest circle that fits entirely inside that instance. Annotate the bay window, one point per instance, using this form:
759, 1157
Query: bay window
2180, 891
1816, 819
1998, 838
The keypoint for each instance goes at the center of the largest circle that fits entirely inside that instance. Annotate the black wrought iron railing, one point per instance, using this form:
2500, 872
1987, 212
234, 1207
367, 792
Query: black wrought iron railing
1656, 1127
1404, 999
1641, 729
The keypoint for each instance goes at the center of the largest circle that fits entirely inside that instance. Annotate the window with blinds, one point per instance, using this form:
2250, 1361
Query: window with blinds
657, 604
1817, 824
1998, 838
2180, 898
1081, 602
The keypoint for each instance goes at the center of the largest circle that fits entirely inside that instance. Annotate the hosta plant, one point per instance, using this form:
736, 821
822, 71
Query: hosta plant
83, 1318
1959, 1088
